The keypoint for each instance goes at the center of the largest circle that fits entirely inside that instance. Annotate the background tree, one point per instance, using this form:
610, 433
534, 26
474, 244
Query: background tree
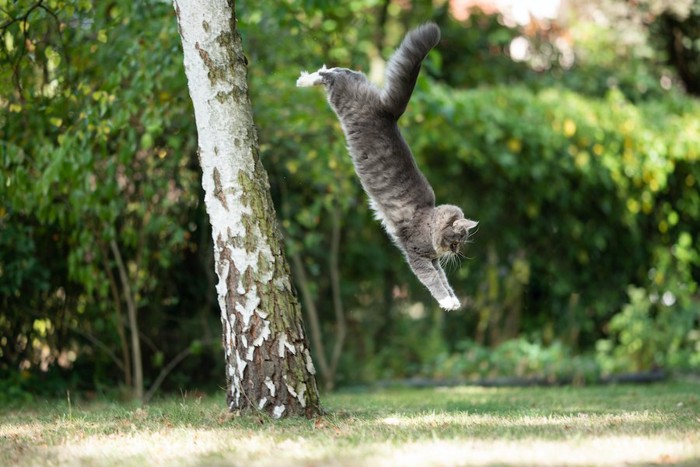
268, 362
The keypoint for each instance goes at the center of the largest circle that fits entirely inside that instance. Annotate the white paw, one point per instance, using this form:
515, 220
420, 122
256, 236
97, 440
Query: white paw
310, 79
449, 303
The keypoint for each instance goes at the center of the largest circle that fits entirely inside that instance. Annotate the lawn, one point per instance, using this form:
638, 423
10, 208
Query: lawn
600, 425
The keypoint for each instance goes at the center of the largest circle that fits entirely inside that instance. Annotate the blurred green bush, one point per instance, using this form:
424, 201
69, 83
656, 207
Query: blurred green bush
577, 199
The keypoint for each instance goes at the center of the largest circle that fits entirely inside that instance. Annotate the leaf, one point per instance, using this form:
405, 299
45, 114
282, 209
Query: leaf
9, 42
196, 347
158, 359
146, 141
53, 58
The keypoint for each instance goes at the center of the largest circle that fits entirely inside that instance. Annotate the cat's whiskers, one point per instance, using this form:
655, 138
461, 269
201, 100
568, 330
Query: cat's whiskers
471, 233
442, 261
450, 260
458, 259
463, 256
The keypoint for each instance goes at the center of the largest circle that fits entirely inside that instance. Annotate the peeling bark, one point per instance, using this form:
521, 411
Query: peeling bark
268, 364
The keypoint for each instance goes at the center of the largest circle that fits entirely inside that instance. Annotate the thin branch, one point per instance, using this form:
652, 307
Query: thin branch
340, 328
149, 342
167, 369
101, 345
19, 19
66, 56
126, 357
142, 240
312, 312
24, 17
133, 321
379, 35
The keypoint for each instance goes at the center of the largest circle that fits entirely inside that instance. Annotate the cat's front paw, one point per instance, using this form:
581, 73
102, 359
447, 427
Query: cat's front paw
311, 79
449, 303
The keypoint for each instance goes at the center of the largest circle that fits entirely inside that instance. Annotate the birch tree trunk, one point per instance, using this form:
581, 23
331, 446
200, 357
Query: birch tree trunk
268, 363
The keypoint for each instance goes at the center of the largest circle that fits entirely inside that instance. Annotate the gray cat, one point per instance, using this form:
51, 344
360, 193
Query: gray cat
399, 193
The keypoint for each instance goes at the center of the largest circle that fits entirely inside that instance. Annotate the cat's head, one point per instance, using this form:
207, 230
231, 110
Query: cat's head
450, 229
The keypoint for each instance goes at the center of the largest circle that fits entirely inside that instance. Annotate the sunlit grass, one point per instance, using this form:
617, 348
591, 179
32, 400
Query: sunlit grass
455, 426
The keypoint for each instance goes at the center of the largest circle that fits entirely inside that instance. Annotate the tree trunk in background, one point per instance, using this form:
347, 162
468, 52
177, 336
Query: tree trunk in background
268, 363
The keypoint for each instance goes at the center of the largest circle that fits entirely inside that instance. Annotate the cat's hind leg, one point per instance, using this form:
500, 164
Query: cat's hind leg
311, 79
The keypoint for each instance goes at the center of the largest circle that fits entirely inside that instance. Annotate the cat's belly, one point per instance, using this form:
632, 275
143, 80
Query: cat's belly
390, 216
381, 216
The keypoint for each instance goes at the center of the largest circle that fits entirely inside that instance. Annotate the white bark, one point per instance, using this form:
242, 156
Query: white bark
259, 314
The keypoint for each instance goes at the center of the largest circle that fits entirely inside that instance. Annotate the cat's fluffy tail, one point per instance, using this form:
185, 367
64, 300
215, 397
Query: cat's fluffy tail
404, 65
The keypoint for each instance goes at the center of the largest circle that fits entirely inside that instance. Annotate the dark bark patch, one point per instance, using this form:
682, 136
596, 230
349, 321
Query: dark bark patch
218, 190
250, 242
216, 73
257, 329
225, 40
248, 279
204, 55
177, 14
235, 94
232, 278
264, 265
222, 96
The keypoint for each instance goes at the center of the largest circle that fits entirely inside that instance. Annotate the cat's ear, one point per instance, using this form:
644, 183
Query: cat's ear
463, 226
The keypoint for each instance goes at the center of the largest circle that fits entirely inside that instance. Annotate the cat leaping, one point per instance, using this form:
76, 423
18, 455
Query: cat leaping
399, 193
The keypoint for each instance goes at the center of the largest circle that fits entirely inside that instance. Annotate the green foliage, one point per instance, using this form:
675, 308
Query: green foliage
576, 197
520, 359
581, 195
97, 158
584, 180
660, 325
590, 174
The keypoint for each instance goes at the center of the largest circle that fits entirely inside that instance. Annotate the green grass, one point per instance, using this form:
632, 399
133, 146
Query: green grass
611, 425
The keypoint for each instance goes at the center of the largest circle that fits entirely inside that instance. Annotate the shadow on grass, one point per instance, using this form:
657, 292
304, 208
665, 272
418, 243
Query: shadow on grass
655, 421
